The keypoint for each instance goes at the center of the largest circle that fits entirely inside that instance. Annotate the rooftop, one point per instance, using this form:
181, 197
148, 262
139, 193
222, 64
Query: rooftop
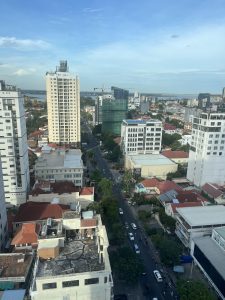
167, 126
34, 211
213, 253
175, 154
77, 256
203, 215
212, 190
27, 234
60, 159
151, 160
140, 121
221, 231
15, 265
174, 206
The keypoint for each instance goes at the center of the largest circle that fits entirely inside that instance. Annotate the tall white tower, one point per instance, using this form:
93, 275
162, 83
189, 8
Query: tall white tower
63, 100
207, 154
3, 219
13, 145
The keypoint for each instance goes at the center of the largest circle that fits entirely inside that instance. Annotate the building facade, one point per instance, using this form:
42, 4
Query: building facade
63, 101
207, 153
13, 145
60, 165
3, 219
141, 136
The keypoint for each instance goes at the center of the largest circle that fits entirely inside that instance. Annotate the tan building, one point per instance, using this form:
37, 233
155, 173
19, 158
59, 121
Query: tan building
63, 100
150, 165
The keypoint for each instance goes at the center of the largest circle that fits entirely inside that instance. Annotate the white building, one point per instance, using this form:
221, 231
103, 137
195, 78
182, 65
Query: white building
13, 145
73, 264
60, 165
209, 255
141, 136
3, 219
193, 222
63, 100
207, 153
186, 139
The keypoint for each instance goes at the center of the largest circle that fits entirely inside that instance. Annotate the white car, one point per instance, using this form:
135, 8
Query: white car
158, 276
131, 236
133, 225
120, 211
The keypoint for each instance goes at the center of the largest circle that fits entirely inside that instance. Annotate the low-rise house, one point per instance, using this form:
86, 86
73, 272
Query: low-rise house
171, 208
209, 255
199, 221
179, 157
155, 186
61, 192
214, 192
150, 165
26, 237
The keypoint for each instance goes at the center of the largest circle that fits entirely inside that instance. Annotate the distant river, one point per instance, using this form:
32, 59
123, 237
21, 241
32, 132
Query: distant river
40, 97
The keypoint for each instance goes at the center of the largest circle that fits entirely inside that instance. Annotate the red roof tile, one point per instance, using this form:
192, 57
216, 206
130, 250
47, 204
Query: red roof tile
165, 186
33, 211
175, 154
87, 191
27, 234
153, 182
174, 206
212, 190
167, 126
88, 222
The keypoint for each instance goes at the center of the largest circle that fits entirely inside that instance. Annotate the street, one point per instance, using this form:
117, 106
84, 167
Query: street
151, 288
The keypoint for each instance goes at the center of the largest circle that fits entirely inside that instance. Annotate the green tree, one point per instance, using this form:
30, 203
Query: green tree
127, 182
169, 139
166, 220
96, 176
194, 290
105, 187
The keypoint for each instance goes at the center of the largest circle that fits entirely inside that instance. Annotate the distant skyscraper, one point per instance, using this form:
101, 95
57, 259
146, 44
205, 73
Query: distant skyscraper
223, 94
63, 100
119, 93
3, 219
207, 153
13, 145
204, 100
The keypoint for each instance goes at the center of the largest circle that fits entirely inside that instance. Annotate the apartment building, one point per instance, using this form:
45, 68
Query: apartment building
60, 165
3, 216
141, 136
63, 101
13, 145
207, 153
73, 262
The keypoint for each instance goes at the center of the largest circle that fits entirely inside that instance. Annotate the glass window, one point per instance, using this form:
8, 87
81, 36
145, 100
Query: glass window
91, 281
50, 285
70, 283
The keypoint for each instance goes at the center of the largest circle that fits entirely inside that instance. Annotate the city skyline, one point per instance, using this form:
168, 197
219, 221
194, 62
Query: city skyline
153, 47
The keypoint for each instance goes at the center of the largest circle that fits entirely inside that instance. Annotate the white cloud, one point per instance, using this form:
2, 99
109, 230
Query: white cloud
92, 10
24, 72
13, 42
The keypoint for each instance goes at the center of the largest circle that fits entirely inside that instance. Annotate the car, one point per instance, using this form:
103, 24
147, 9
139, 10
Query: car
133, 225
158, 276
131, 236
120, 211
126, 225
136, 249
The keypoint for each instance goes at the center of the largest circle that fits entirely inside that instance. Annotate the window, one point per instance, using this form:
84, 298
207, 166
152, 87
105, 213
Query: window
91, 281
70, 283
105, 279
47, 286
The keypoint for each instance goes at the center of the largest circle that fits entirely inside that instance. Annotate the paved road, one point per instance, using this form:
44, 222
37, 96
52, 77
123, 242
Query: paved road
151, 288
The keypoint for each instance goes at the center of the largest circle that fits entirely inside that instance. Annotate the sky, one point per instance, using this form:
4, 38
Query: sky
165, 46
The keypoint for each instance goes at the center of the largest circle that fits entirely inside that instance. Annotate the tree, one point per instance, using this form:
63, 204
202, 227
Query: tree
127, 181
144, 215
167, 221
96, 176
169, 139
194, 290
126, 265
105, 186
97, 129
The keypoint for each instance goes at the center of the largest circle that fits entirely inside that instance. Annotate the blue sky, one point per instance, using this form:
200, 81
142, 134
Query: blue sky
147, 45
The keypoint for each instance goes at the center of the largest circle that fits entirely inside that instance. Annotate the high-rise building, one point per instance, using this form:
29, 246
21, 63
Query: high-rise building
63, 101
119, 93
13, 145
141, 136
207, 153
3, 219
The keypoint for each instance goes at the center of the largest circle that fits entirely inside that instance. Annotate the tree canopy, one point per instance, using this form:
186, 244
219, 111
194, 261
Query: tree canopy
194, 290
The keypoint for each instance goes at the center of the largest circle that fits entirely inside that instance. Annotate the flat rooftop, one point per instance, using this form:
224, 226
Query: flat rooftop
136, 122
213, 253
60, 159
77, 256
203, 215
15, 265
221, 231
151, 160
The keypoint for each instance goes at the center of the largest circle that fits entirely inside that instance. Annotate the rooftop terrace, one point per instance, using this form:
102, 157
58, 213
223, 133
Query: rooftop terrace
77, 256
